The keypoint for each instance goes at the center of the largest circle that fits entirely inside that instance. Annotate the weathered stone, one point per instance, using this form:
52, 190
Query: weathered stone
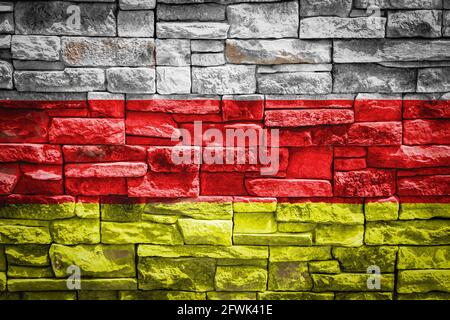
38, 65
431, 232
372, 78
424, 296
137, 24
190, 274
214, 210
6, 6
289, 276
334, 27
446, 23
433, 80
295, 83
274, 239
35, 48
419, 23
69, 80
204, 251
240, 278
140, 232
359, 259
2, 281
52, 18
207, 59
382, 209
101, 261
33, 255
29, 272
49, 296
307, 118
228, 79
243, 262
350, 282
270, 295
75, 231
384, 50
192, 30
214, 232
137, 4
6, 75
294, 68
401, 4
61, 284
124, 52
268, 20
207, 45
279, 254
364, 296
340, 8
295, 227
97, 295
160, 295
172, 52
173, 80
411, 211
24, 232
5, 41
331, 267
252, 205
213, 295
191, 12
278, 51
341, 235
423, 281
254, 223
317, 212
431, 257
131, 80
6, 23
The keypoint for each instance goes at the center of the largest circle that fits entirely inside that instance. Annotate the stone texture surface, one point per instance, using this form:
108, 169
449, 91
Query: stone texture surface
95, 94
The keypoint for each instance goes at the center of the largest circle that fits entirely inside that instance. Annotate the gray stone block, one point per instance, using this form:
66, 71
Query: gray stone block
173, 52
417, 23
192, 30
341, 28
191, 12
6, 23
173, 80
131, 80
136, 24
207, 45
69, 80
130, 52
295, 83
45, 48
339, 8
6, 75
137, 4
207, 59
434, 80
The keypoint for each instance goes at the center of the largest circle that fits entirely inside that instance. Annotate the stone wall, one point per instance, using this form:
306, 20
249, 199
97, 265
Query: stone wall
92, 91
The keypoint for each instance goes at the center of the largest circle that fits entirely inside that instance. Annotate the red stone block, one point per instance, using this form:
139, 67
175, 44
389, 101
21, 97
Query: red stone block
350, 164
36, 199
364, 183
23, 126
87, 131
170, 105
165, 185
101, 153
375, 133
107, 108
151, 141
150, 124
295, 138
96, 186
378, 110
313, 163
252, 160
426, 109
40, 179
106, 170
9, 175
188, 118
161, 159
426, 131
42, 104
294, 188
424, 186
68, 113
219, 183
87, 199
349, 152
408, 157
330, 135
37, 153
308, 103
242, 110
423, 172
313, 117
